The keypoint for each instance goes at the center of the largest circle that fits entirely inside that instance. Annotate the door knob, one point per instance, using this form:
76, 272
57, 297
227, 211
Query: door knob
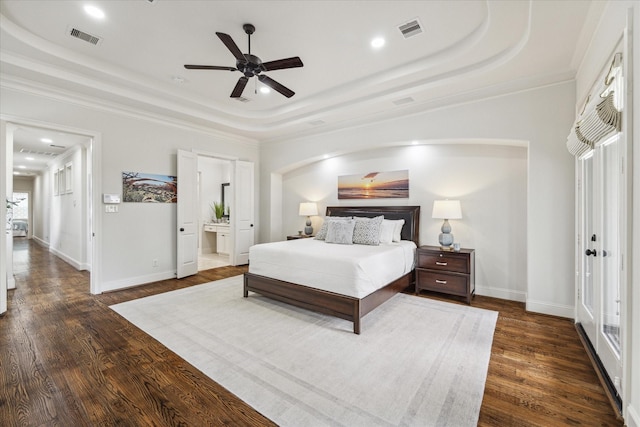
590, 252
182, 229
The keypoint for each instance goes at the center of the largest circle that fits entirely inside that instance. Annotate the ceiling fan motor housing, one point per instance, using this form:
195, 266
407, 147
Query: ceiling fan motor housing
251, 67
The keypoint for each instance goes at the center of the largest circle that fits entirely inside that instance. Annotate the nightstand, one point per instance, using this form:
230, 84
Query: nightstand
298, 236
448, 272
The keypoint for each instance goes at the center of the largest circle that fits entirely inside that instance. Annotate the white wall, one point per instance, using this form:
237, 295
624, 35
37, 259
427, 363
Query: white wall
42, 185
140, 232
489, 180
525, 117
618, 16
67, 211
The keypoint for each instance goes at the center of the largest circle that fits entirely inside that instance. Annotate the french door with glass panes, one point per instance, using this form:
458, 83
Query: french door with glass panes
599, 300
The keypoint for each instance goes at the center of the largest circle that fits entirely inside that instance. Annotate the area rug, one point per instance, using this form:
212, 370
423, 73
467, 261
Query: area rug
417, 362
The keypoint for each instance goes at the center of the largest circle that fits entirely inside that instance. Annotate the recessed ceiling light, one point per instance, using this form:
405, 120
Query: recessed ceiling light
22, 167
94, 12
16, 173
265, 89
29, 158
377, 42
46, 140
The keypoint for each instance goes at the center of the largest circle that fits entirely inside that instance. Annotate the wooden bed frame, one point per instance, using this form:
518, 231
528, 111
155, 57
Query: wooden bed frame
342, 306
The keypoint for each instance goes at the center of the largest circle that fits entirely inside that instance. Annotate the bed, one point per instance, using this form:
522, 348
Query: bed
20, 228
351, 304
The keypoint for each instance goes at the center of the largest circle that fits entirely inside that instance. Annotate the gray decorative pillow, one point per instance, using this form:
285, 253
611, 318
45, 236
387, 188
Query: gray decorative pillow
367, 231
322, 233
340, 232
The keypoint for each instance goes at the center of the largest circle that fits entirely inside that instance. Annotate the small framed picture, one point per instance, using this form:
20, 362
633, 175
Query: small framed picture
56, 184
68, 177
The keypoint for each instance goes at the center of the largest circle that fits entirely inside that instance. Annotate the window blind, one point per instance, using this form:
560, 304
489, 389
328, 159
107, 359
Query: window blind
601, 116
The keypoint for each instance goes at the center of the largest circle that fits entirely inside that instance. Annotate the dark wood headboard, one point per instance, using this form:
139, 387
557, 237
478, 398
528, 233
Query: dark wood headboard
410, 214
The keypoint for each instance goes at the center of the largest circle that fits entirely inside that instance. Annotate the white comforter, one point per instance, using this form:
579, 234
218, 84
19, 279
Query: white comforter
353, 270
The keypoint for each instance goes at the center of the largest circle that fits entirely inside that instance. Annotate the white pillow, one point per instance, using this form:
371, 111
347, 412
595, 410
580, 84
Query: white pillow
340, 232
322, 233
397, 229
397, 232
387, 231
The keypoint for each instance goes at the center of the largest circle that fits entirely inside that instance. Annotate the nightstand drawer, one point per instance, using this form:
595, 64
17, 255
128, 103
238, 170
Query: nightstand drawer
443, 261
442, 282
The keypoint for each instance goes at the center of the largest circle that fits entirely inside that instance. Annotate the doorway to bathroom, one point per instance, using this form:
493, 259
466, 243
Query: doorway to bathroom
214, 202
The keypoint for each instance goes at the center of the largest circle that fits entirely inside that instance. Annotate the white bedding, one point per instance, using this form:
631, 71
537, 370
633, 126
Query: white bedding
353, 270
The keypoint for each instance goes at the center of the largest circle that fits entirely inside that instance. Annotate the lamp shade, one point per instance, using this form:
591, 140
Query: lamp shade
446, 209
308, 209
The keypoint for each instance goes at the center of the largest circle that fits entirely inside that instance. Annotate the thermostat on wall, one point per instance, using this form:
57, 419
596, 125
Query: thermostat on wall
110, 198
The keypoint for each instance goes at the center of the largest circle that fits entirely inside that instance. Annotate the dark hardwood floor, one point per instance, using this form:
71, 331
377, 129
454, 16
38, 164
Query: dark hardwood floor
66, 359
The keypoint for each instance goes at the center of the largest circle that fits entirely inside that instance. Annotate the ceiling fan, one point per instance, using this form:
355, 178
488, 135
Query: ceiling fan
251, 66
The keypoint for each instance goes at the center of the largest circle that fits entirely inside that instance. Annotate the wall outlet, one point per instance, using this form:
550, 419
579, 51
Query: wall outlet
155, 263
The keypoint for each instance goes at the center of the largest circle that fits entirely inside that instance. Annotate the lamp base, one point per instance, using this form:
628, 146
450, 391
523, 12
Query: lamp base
308, 230
446, 240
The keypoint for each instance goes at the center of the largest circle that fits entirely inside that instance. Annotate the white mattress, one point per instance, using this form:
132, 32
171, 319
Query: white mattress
353, 270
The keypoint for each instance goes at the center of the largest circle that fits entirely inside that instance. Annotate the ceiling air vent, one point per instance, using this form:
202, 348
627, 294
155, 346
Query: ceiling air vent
74, 32
42, 153
411, 28
402, 101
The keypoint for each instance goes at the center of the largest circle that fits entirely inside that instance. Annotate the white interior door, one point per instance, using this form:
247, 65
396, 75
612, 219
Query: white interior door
599, 300
243, 218
187, 214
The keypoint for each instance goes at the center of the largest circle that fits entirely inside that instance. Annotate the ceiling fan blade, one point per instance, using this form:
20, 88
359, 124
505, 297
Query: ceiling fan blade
237, 91
280, 64
231, 45
208, 67
276, 86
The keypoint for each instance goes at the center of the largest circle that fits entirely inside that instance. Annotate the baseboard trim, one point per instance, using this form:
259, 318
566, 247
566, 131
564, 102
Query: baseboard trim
507, 294
607, 384
550, 309
41, 242
633, 418
75, 263
130, 282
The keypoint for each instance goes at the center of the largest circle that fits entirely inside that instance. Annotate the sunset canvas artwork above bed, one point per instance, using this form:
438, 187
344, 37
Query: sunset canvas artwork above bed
374, 185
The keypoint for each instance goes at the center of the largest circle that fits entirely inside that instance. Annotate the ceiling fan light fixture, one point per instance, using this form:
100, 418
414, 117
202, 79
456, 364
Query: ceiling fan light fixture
46, 140
251, 65
265, 90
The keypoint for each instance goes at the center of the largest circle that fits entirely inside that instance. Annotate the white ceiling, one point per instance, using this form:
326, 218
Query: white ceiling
469, 49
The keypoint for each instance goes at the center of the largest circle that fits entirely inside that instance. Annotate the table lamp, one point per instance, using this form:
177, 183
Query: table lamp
307, 209
446, 209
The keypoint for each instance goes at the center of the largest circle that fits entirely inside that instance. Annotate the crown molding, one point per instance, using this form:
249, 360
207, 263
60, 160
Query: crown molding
95, 103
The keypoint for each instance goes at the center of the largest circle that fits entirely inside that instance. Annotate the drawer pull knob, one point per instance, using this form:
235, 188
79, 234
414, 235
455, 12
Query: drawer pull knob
441, 263
442, 282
